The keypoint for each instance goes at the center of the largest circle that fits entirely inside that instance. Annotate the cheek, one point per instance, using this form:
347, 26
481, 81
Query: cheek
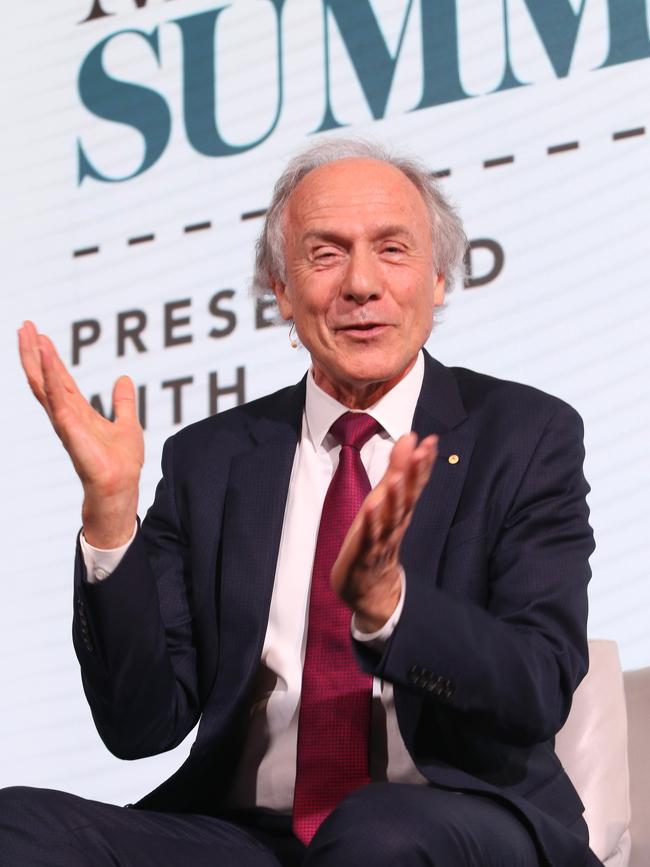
318, 306
312, 318
417, 303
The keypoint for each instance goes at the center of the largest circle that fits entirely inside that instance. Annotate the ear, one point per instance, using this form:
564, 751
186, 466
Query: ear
282, 297
439, 290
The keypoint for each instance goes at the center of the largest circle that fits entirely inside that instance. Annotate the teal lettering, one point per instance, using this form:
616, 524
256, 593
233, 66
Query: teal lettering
557, 25
509, 80
440, 54
123, 102
373, 63
200, 82
628, 32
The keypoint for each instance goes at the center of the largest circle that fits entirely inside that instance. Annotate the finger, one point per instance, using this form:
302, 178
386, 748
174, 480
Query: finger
401, 452
124, 400
405, 451
419, 471
28, 339
63, 374
393, 505
385, 513
398, 464
426, 449
372, 525
30, 359
426, 456
389, 497
55, 392
397, 501
381, 514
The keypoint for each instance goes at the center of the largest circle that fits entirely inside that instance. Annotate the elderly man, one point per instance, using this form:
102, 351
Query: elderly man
370, 588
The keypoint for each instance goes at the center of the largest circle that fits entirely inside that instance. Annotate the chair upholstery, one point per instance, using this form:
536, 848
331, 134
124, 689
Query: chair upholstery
593, 747
637, 694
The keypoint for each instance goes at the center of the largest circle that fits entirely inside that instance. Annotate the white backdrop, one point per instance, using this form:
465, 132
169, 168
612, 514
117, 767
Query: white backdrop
554, 172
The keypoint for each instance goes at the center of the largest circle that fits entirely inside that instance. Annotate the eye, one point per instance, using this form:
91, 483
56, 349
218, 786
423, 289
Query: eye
392, 248
325, 254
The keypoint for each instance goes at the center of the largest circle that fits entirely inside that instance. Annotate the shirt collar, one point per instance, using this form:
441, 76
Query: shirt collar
394, 411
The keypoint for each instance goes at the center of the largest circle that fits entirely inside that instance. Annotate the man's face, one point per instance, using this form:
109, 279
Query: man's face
361, 286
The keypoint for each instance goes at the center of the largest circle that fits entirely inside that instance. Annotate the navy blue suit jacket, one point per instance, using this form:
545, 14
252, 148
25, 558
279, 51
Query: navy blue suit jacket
492, 639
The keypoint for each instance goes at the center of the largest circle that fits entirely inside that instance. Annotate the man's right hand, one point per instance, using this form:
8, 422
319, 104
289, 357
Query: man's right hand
107, 456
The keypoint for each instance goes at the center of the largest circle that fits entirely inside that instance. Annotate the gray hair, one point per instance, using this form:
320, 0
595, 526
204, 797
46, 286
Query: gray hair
449, 240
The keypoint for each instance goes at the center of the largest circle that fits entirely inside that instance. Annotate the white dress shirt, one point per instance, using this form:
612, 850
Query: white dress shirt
267, 769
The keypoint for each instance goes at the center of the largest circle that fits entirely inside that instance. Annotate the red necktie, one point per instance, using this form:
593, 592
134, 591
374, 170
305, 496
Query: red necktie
334, 720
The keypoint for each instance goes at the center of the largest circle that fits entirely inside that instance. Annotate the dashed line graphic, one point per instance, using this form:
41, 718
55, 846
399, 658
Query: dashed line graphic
498, 161
491, 163
628, 133
141, 239
198, 227
253, 215
85, 251
561, 148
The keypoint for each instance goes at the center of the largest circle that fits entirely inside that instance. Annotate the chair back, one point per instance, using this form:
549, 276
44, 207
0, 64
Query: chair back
593, 747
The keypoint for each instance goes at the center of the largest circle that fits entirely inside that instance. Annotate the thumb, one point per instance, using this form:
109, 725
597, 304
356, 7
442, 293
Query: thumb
124, 399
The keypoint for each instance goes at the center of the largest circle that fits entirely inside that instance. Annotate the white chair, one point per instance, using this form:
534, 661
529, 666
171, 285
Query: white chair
609, 718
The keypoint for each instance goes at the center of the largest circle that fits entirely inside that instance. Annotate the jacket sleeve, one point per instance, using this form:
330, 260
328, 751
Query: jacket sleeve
511, 666
133, 636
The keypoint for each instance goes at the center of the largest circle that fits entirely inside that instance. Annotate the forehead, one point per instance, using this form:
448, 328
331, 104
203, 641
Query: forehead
356, 190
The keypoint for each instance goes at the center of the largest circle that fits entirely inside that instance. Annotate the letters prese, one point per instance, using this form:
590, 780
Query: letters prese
131, 325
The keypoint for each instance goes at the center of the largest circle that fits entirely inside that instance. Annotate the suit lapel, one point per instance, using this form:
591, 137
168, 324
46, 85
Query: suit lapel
439, 410
252, 526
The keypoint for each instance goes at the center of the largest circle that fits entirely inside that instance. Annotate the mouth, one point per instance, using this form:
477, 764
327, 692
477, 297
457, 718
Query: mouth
363, 329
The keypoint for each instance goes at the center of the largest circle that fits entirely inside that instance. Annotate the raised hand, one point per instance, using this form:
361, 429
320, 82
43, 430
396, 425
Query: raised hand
367, 571
107, 456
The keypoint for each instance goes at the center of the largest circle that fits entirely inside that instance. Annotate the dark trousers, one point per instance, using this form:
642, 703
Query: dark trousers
380, 825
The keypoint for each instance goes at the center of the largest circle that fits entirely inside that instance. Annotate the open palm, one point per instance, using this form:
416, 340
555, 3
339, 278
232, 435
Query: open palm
107, 456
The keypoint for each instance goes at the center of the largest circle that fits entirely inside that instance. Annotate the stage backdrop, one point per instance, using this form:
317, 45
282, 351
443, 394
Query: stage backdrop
140, 142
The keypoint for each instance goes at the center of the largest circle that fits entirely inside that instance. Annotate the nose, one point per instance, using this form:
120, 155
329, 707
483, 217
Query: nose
362, 280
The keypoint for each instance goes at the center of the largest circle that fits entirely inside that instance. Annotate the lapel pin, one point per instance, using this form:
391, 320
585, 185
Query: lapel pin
453, 459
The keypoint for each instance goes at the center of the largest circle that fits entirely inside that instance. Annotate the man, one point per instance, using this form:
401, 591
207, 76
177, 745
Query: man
384, 686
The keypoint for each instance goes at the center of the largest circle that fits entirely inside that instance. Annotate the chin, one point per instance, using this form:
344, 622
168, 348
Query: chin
374, 373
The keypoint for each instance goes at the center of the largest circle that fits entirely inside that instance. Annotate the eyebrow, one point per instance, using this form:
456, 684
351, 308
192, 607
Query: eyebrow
393, 229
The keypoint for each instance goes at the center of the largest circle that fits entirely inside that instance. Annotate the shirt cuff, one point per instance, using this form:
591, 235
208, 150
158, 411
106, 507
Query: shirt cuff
377, 640
100, 562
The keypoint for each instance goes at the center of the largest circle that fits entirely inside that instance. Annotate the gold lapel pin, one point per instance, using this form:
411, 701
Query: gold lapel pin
453, 459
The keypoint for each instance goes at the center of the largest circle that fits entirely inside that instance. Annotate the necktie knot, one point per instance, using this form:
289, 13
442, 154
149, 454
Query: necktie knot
354, 429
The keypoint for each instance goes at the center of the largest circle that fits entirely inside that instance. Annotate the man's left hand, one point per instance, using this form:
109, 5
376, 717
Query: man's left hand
367, 572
